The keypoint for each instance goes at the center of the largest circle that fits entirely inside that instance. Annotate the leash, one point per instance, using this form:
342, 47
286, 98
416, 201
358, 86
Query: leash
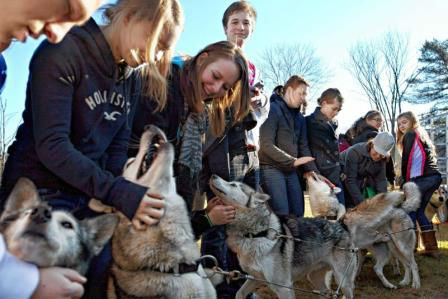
237, 275
282, 236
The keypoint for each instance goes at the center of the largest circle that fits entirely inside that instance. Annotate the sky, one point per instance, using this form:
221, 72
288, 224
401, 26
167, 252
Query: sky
331, 27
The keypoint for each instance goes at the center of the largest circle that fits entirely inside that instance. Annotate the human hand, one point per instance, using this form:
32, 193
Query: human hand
59, 283
149, 212
221, 214
213, 203
328, 182
302, 160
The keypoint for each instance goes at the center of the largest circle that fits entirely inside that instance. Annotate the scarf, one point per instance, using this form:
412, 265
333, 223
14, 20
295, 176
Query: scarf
193, 136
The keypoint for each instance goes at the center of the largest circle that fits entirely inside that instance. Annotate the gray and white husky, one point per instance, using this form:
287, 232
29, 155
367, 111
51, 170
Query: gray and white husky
380, 224
323, 245
37, 234
160, 261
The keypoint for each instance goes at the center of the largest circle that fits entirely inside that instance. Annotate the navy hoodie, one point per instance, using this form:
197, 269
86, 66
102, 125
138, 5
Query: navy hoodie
76, 124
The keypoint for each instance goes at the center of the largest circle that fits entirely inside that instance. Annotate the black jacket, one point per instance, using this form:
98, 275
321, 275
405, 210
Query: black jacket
283, 138
76, 123
428, 166
323, 143
359, 168
366, 134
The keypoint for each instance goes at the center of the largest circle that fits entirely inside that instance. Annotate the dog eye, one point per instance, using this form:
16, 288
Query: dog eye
233, 184
67, 225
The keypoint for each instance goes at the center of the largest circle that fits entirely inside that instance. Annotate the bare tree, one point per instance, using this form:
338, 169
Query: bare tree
382, 70
279, 62
4, 139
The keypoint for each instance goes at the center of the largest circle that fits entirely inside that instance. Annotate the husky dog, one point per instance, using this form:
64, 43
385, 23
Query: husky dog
323, 200
321, 246
382, 225
162, 260
438, 205
35, 233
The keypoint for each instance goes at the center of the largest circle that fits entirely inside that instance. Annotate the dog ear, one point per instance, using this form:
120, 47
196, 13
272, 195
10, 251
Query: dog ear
24, 195
261, 197
99, 230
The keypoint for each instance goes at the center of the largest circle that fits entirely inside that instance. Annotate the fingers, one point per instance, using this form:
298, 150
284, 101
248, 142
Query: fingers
75, 290
149, 212
138, 225
147, 220
153, 195
73, 275
229, 213
148, 202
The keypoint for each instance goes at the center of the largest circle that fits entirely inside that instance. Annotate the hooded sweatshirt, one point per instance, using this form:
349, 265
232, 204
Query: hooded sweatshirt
76, 124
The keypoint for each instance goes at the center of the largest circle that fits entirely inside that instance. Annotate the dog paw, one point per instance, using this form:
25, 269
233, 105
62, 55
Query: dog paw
390, 286
404, 282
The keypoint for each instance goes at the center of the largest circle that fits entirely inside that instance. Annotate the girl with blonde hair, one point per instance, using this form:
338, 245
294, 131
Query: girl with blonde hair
419, 164
80, 101
208, 94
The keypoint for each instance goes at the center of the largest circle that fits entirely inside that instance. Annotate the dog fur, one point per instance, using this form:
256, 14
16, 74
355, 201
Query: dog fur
323, 200
37, 234
382, 225
142, 259
279, 260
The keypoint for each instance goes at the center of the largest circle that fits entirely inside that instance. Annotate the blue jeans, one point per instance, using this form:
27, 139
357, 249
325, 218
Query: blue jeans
284, 189
427, 186
97, 274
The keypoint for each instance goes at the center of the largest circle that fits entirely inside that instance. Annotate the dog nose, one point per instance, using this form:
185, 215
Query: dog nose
41, 214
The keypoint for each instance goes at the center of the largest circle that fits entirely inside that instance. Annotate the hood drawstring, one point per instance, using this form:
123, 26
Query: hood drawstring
123, 73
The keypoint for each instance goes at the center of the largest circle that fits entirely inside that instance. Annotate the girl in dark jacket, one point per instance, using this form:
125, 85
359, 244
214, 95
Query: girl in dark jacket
322, 137
419, 165
365, 127
284, 147
198, 110
81, 97
365, 162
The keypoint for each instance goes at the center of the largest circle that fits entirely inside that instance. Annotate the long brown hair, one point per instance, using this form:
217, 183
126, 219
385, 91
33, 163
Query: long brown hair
166, 18
415, 126
237, 99
360, 124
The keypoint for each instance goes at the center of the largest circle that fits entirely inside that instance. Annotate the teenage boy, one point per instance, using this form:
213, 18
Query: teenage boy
238, 150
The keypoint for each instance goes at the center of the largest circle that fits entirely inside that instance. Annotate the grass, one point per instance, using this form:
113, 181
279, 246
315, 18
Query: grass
433, 275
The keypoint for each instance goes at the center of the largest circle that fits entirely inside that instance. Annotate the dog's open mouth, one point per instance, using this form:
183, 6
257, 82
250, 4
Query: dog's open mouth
151, 153
153, 149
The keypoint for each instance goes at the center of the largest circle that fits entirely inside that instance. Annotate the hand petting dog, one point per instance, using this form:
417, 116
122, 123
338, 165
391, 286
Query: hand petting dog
219, 213
149, 212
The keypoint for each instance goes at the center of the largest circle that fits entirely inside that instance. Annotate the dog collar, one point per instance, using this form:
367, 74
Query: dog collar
183, 268
433, 205
262, 234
